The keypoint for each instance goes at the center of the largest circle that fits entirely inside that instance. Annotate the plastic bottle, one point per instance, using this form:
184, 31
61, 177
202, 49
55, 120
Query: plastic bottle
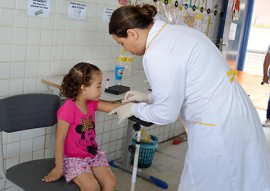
125, 59
129, 64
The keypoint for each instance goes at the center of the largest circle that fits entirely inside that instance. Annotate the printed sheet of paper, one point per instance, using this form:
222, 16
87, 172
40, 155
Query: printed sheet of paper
232, 32
201, 23
39, 8
77, 10
107, 13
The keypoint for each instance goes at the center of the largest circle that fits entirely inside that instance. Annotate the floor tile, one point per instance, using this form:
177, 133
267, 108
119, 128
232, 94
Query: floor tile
167, 165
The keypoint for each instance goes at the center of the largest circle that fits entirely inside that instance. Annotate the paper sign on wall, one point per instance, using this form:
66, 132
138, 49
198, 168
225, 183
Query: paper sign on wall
39, 8
232, 32
77, 10
107, 13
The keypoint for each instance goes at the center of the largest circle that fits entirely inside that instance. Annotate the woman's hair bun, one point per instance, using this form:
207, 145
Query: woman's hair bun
130, 17
149, 11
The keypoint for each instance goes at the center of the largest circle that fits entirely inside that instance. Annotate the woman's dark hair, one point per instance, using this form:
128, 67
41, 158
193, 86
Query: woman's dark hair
81, 74
129, 17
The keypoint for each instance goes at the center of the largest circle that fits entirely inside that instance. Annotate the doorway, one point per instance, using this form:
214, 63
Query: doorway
259, 38
233, 41
238, 39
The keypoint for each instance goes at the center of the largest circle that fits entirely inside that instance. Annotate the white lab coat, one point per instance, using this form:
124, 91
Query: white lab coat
188, 75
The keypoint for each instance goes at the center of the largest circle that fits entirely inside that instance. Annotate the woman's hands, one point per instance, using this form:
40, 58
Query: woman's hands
54, 175
136, 96
123, 112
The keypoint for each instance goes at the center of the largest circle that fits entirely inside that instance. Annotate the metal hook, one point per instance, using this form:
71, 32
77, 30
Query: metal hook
201, 9
194, 7
176, 4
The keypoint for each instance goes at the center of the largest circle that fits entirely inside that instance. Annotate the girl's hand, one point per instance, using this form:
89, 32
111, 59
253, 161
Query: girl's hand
54, 175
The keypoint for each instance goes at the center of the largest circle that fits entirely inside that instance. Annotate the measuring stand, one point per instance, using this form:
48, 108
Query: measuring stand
136, 124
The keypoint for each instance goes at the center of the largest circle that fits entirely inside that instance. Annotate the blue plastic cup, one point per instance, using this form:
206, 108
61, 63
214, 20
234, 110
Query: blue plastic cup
118, 72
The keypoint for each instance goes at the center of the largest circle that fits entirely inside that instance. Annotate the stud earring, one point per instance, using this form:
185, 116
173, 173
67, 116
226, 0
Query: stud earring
84, 92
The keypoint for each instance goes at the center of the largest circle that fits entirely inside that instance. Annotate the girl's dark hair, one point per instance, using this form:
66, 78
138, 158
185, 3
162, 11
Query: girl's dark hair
129, 17
81, 74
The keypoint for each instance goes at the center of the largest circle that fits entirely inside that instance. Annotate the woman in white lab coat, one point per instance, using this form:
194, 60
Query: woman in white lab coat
188, 76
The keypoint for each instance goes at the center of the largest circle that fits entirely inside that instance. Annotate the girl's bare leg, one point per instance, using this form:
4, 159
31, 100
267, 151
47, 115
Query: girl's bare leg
105, 177
87, 182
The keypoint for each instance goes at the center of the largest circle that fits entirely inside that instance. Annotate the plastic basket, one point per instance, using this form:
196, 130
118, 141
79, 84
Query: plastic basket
147, 151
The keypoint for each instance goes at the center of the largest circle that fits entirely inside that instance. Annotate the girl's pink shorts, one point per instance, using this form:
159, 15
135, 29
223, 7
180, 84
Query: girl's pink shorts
75, 166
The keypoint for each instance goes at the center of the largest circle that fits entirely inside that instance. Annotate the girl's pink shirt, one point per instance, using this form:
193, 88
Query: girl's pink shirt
81, 137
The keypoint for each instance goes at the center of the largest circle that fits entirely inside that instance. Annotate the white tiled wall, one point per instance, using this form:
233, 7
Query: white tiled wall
36, 47
32, 48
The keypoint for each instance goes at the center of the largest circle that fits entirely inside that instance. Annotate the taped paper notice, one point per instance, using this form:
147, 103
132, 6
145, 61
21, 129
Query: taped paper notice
232, 31
77, 10
39, 8
107, 13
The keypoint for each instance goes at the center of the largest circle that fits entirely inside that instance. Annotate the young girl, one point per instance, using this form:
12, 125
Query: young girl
77, 156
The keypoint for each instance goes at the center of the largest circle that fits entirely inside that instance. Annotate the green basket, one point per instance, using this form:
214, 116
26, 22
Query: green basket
147, 151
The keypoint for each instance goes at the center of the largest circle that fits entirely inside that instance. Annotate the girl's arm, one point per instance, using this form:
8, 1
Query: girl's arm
61, 133
107, 106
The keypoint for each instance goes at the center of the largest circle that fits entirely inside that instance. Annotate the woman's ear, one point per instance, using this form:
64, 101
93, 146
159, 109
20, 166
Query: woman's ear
132, 33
